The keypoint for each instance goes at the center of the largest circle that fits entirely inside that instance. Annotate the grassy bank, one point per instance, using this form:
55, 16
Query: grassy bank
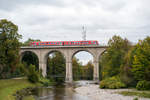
9, 87
145, 94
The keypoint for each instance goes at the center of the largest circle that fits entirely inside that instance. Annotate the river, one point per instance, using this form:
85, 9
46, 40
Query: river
64, 92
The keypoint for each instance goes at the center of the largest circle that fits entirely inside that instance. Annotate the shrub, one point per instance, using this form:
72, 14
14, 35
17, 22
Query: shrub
45, 81
136, 98
32, 74
143, 85
112, 83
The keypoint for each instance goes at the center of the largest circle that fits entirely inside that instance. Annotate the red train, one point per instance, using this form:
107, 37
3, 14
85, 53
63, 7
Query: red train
64, 43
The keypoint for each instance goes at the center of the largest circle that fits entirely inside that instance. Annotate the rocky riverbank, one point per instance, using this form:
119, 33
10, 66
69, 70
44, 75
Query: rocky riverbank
93, 91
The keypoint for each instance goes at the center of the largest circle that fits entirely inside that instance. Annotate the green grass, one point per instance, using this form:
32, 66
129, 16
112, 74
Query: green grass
9, 87
145, 94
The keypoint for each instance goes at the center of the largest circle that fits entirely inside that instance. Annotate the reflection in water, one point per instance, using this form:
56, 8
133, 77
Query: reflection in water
58, 93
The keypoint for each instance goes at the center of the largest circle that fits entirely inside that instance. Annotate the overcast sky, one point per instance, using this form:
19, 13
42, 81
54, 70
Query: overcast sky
53, 20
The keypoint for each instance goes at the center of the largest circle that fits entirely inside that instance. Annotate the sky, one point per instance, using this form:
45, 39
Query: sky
53, 20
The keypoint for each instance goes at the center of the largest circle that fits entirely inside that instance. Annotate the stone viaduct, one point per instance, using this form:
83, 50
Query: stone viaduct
68, 52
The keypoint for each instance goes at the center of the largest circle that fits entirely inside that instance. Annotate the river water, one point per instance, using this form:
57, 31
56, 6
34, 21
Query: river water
64, 92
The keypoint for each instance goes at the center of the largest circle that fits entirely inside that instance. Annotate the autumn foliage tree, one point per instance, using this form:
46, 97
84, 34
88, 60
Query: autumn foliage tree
112, 60
141, 60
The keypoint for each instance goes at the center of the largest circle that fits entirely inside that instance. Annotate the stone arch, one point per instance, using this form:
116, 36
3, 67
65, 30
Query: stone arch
23, 53
101, 53
75, 69
51, 51
33, 51
48, 67
78, 50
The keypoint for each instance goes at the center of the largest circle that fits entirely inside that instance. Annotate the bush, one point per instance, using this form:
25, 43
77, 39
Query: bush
136, 98
32, 74
143, 85
45, 81
112, 83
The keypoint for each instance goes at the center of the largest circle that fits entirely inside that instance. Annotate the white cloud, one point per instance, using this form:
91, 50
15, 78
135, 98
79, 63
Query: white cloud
63, 19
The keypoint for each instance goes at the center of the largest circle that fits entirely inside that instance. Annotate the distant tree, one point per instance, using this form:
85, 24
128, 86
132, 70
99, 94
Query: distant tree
27, 43
9, 48
82, 72
88, 71
77, 72
56, 67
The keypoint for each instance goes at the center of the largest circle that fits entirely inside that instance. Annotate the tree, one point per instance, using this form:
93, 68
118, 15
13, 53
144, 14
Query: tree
141, 60
82, 72
112, 60
88, 70
56, 67
27, 43
9, 47
77, 72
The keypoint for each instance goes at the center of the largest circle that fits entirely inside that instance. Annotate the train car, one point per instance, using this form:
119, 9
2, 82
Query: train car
64, 43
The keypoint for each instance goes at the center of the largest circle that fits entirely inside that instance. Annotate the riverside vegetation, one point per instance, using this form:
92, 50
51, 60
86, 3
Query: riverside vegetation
124, 65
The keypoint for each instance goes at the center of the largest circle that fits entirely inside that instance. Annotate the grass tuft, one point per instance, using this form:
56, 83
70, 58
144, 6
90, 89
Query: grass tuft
145, 94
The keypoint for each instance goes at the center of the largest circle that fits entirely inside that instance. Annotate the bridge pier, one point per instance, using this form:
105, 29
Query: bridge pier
69, 72
96, 71
42, 67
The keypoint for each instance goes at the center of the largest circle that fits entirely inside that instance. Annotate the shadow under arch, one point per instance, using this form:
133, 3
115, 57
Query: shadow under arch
30, 57
80, 71
56, 66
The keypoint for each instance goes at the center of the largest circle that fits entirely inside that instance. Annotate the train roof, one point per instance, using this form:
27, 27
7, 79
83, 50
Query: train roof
67, 41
